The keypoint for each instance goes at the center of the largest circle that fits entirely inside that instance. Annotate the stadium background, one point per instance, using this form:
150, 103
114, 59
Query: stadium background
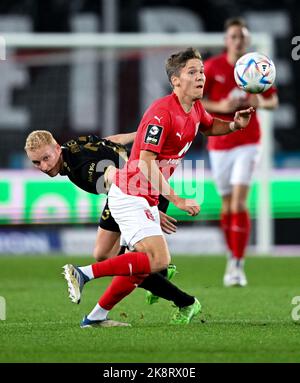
54, 90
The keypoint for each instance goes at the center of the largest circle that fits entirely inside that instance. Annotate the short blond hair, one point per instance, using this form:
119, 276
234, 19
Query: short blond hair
37, 139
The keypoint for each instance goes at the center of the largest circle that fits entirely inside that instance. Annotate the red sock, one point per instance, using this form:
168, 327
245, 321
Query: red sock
225, 225
239, 233
128, 264
119, 288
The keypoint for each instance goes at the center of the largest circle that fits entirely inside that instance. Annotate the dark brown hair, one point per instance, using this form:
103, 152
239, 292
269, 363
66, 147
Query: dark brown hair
178, 60
235, 21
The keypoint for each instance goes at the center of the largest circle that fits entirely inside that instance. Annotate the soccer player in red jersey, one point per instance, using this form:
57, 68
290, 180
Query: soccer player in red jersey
164, 135
233, 157
84, 160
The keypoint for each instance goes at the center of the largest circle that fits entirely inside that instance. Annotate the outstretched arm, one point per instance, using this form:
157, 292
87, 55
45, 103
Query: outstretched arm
221, 127
123, 139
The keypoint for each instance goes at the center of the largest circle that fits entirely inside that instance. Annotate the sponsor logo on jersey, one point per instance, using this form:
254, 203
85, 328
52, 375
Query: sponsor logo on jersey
73, 146
105, 214
153, 134
158, 119
91, 172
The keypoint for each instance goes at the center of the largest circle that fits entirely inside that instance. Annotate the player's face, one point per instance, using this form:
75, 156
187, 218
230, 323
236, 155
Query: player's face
47, 159
237, 40
191, 80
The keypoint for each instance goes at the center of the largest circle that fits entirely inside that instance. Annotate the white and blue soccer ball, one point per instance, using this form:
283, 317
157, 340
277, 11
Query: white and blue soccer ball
254, 72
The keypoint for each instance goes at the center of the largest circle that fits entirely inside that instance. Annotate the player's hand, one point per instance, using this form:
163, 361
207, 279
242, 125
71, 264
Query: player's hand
242, 118
167, 223
252, 100
229, 105
191, 206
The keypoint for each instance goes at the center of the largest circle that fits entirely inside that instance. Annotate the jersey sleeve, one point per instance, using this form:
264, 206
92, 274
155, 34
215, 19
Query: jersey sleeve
268, 93
155, 130
206, 119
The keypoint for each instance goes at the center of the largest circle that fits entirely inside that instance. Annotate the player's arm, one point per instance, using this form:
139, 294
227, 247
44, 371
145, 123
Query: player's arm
258, 101
167, 223
123, 139
224, 106
221, 127
150, 169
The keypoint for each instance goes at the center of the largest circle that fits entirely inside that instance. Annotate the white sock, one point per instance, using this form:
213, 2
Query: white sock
88, 271
98, 313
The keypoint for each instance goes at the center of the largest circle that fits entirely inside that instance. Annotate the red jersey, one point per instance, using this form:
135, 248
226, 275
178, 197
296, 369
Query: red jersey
220, 84
165, 129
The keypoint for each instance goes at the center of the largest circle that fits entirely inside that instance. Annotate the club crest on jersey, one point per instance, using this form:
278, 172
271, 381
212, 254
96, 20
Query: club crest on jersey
149, 215
153, 134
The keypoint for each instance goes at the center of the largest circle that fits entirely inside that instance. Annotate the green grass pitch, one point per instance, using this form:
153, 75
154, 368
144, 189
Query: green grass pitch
251, 324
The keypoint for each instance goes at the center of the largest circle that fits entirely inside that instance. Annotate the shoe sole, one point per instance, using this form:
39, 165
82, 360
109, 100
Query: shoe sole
107, 323
235, 284
73, 285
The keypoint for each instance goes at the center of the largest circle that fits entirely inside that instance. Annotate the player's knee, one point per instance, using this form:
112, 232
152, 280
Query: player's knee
238, 207
99, 255
226, 205
159, 261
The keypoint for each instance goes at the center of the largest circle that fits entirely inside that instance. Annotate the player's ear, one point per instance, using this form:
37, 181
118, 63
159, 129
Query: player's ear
175, 81
58, 147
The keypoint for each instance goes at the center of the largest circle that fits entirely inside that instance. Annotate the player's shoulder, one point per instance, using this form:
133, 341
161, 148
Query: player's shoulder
199, 107
163, 102
161, 106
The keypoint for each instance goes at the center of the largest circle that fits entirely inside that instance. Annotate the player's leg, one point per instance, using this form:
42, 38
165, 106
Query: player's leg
139, 224
245, 160
107, 244
163, 288
221, 162
156, 283
225, 220
221, 165
187, 305
239, 235
145, 241
118, 289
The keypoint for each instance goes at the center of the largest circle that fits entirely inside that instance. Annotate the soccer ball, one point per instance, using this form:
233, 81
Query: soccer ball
254, 72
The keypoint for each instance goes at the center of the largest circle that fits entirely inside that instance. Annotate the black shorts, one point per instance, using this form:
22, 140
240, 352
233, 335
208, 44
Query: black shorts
107, 222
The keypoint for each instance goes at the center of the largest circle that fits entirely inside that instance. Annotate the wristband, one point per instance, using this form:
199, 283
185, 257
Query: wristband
231, 126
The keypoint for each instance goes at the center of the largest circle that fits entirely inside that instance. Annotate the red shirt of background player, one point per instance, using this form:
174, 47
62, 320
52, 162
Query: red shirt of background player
220, 84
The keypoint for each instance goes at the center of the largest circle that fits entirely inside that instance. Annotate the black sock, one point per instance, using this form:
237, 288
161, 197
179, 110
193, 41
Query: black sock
160, 286
164, 272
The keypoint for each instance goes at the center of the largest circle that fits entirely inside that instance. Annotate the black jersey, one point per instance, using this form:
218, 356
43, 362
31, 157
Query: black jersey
86, 158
